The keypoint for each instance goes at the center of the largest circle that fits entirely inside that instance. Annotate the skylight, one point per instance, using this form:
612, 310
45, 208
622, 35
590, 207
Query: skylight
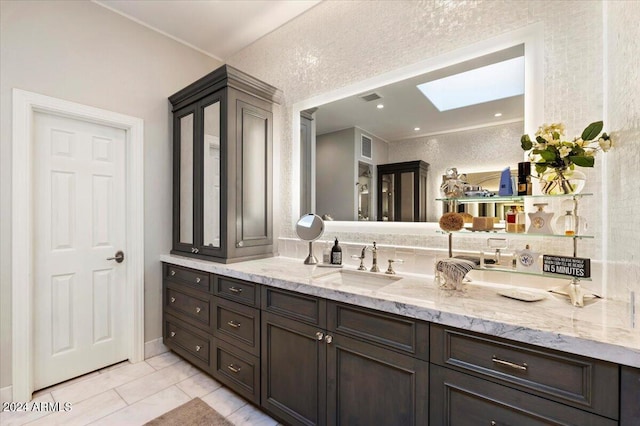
489, 83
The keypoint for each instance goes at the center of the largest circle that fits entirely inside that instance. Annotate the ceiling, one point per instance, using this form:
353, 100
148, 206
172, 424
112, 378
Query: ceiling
217, 28
406, 108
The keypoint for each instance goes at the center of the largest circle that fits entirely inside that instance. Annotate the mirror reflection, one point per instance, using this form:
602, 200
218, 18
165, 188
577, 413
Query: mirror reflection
186, 179
398, 123
211, 175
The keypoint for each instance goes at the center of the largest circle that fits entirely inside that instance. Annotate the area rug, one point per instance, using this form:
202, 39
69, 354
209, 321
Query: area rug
195, 412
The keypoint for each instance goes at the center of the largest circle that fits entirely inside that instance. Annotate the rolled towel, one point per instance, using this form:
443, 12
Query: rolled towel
453, 271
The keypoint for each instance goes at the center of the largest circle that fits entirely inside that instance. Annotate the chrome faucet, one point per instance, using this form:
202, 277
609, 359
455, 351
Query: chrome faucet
361, 257
374, 266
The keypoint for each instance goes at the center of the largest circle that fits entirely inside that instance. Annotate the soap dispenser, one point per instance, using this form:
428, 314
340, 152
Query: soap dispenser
336, 254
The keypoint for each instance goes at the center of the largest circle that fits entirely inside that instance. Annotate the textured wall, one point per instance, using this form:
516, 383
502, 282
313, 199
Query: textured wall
339, 43
623, 171
478, 150
81, 52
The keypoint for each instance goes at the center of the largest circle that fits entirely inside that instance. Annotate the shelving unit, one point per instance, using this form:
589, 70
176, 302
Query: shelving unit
573, 288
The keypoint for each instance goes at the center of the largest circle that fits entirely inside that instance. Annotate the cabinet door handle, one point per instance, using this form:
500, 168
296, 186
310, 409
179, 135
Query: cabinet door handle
173, 299
198, 309
235, 290
319, 335
493, 423
198, 348
328, 338
233, 368
173, 334
198, 280
510, 364
234, 324
172, 272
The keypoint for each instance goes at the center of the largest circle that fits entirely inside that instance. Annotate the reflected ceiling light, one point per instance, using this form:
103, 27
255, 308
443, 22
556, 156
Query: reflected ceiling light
497, 114
380, 106
416, 128
484, 84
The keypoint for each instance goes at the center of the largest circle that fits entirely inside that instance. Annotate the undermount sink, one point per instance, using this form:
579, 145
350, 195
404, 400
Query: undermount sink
360, 279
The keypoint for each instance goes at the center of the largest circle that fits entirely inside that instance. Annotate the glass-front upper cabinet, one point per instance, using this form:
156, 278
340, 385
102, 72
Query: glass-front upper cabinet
222, 173
402, 191
197, 219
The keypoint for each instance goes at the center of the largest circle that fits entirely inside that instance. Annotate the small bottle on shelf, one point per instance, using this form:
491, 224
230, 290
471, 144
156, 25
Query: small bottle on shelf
512, 216
568, 224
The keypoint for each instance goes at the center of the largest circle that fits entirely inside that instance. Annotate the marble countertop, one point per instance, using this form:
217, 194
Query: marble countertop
602, 329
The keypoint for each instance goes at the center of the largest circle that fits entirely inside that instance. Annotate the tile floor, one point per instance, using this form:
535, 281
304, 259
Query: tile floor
133, 394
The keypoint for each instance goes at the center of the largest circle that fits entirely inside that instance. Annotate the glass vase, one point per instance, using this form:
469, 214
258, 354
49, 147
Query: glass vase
562, 181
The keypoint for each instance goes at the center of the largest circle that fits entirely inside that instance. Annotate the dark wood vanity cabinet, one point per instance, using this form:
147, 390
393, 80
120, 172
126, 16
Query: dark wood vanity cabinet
311, 361
223, 173
402, 191
477, 379
327, 363
214, 323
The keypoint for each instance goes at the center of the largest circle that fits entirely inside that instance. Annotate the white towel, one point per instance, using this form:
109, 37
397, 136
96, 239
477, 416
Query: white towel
454, 270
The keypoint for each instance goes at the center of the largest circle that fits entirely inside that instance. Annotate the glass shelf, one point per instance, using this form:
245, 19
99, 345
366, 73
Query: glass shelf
535, 274
502, 232
513, 198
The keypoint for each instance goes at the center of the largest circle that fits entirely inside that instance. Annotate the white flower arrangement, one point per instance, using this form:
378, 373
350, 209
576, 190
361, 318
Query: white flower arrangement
550, 150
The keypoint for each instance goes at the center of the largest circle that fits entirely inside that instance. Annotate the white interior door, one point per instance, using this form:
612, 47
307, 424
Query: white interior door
79, 222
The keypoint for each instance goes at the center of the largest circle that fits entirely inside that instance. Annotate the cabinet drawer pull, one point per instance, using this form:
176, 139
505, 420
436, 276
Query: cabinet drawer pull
233, 368
198, 280
173, 334
493, 423
234, 324
513, 365
235, 290
319, 335
198, 348
172, 273
173, 299
198, 309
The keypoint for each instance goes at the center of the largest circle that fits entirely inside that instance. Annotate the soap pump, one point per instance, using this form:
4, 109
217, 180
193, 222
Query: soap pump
336, 254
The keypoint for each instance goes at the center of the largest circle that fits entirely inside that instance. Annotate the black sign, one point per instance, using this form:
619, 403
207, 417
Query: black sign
573, 266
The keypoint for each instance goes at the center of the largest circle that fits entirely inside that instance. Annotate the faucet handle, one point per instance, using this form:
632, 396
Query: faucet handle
390, 270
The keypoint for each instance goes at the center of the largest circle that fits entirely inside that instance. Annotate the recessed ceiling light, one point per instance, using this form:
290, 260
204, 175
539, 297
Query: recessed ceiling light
380, 106
497, 114
489, 83
416, 128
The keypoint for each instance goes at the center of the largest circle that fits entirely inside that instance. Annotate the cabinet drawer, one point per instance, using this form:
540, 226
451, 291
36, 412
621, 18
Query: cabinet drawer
458, 399
237, 324
190, 306
191, 277
238, 370
240, 291
298, 306
391, 331
188, 341
570, 379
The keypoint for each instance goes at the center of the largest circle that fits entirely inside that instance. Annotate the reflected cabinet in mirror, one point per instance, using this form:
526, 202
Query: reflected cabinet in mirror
435, 118
223, 173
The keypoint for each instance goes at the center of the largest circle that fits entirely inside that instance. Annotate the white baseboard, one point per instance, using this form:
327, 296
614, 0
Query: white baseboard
154, 347
6, 394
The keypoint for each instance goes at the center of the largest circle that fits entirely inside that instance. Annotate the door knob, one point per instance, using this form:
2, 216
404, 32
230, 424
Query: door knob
119, 257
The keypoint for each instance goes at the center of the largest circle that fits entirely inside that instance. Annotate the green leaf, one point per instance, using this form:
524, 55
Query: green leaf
582, 161
548, 156
540, 168
592, 131
525, 142
540, 139
556, 136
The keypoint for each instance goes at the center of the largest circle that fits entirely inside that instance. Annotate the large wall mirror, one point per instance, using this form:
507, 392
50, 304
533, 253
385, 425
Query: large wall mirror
435, 113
